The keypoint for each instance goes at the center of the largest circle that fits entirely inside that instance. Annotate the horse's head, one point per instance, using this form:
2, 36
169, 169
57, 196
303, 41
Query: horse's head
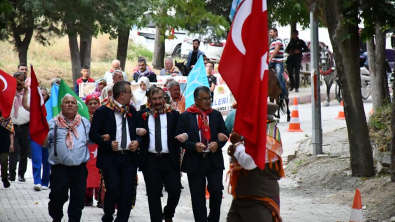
324, 56
181, 66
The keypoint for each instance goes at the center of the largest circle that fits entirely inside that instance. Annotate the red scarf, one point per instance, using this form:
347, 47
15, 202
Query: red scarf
70, 127
202, 119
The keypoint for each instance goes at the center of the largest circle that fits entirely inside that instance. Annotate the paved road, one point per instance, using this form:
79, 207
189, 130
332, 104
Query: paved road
21, 203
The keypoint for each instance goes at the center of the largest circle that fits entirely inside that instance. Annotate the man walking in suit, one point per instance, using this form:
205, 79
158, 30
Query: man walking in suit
114, 130
160, 155
203, 155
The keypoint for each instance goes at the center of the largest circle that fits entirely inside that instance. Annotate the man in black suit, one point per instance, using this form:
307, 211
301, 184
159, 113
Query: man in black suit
203, 158
114, 130
160, 155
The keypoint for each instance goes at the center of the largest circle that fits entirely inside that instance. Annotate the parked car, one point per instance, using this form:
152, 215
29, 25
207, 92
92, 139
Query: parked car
211, 46
146, 38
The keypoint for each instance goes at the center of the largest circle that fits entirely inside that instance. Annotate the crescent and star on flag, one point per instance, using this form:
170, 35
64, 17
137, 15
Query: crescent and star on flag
5, 82
241, 16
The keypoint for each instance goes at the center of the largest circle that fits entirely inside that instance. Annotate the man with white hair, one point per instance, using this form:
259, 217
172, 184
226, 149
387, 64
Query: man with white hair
116, 65
177, 100
68, 153
170, 69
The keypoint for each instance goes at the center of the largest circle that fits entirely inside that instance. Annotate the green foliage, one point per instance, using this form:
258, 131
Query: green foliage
379, 125
191, 15
135, 51
284, 12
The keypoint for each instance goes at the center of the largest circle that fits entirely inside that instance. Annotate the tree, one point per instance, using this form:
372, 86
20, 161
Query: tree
178, 14
19, 23
378, 16
341, 18
125, 14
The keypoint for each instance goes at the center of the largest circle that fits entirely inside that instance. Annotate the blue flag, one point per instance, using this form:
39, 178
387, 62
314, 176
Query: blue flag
233, 9
52, 102
197, 77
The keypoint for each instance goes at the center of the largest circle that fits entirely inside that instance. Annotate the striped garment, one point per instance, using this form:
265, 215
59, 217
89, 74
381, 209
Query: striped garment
7, 123
280, 54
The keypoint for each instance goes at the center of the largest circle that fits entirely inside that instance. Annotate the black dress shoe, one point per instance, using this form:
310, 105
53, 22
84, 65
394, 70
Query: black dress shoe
292, 88
296, 90
6, 183
21, 178
11, 178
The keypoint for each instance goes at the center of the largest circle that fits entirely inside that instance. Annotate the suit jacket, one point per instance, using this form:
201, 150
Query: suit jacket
103, 122
188, 124
172, 143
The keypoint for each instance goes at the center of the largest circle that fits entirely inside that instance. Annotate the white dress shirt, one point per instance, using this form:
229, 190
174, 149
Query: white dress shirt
243, 158
118, 121
208, 142
23, 115
163, 137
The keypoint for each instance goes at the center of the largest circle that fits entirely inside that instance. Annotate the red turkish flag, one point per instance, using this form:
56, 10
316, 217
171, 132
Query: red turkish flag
93, 179
7, 93
245, 69
38, 126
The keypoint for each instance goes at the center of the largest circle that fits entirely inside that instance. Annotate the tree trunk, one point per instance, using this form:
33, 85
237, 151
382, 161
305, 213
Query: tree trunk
22, 46
376, 55
75, 57
85, 46
344, 39
159, 49
392, 168
293, 27
122, 49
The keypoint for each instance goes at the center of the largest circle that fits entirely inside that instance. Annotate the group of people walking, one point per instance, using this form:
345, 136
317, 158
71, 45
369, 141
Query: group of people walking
128, 133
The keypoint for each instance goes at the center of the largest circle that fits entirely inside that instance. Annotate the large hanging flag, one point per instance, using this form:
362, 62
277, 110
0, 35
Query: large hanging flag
197, 77
57, 93
38, 126
244, 67
7, 93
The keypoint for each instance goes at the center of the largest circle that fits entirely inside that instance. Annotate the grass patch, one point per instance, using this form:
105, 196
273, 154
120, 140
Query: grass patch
380, 128
54, 61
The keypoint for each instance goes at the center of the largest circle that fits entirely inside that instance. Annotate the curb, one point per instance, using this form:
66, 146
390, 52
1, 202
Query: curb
307, 98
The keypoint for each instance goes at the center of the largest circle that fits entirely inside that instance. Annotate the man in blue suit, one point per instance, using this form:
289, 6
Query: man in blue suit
114, 130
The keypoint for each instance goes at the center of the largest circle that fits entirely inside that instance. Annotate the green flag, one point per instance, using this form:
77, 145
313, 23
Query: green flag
63, 90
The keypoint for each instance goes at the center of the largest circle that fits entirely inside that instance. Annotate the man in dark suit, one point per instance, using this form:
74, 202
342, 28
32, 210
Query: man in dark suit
160, 155
203, 155
114, 130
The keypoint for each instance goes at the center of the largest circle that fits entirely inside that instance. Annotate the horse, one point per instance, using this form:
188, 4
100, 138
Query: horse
182, 67
327, 70
274, 92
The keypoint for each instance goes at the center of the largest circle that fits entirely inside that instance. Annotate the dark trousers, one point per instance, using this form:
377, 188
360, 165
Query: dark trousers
159, 171
4, 166
62, 179
197, 184
248, 210
119, 180
293, 66
21, 149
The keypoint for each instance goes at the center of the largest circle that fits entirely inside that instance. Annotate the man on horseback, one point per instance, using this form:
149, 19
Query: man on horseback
276, 59
295, 48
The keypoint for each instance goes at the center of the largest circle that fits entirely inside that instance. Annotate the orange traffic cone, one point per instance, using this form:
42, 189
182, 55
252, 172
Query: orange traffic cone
207, 194
294, 125
356, 211
341, 112
371, 111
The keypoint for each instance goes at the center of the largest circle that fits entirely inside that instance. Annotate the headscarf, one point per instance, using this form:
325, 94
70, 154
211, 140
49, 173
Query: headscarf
140, 94
90, 97
101, 80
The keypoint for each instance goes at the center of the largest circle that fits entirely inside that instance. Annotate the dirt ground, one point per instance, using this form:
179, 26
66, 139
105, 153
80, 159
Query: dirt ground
329, 180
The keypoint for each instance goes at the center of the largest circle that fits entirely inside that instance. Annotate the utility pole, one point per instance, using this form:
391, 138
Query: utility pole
315, 84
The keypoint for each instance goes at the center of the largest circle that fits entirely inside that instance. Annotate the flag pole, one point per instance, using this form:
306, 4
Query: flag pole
315, 84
